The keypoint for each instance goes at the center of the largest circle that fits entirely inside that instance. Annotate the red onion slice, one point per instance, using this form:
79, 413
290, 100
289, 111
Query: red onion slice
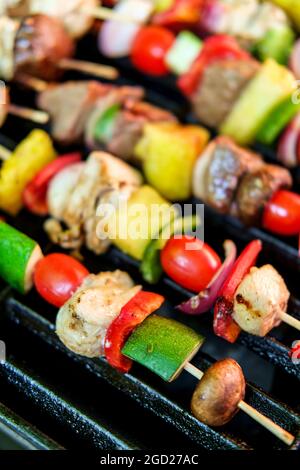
295, 59
204, 301
115, 37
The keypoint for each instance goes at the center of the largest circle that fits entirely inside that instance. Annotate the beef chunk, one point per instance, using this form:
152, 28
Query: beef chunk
257, 188
220, 87
227, 165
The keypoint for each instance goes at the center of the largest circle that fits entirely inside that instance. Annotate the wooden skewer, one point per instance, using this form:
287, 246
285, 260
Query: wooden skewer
286, 318
40, 117
101, 71
35, 84
267, 423
4, 153
102, 13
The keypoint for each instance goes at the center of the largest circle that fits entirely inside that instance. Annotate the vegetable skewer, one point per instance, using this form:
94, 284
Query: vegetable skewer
157, 145
73, 181
126, 301
245, 81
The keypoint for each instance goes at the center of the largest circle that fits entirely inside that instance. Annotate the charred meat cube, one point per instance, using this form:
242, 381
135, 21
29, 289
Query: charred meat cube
257, 188
220, 87
217, 176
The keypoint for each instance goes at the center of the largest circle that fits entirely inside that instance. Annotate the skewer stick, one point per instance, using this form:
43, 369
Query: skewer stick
286, 318
102, 13
267, 423
4, 153
101, 71
40, 117
36, 84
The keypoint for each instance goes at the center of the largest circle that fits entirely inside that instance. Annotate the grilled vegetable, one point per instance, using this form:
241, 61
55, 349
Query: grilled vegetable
131, 315
104, 127
190, 262
35, 193
206, 298
183, 52
277, 120
19, 256
169, 152
272, 84
277, 44
151, 265
29, 157
224, 325
216, 397
282, 213
162, 345
139, 221
149, 49
57, 277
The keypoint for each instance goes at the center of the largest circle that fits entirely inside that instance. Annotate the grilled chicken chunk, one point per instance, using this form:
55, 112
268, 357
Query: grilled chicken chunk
75, 195
220, 87
259, 300
82, 322
257, 188
218, 172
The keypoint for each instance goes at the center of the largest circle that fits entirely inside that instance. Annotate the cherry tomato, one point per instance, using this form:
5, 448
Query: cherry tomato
282, 213
35, 193
149, 49
57, 276
192, 269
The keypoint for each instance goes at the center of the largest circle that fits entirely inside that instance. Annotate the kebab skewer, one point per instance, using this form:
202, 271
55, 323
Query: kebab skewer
117, 320
117, 119
262, 28
6, 108
245, 81
76, 189
39, 46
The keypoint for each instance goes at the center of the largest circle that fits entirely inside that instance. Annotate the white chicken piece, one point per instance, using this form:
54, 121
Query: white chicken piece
259, 301
61, 187
75, 194
82, 322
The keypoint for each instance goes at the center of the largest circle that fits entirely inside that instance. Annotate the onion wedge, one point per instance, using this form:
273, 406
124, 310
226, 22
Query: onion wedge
205, 300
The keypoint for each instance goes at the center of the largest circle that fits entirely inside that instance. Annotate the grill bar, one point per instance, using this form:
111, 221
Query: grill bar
23, 433
66, 415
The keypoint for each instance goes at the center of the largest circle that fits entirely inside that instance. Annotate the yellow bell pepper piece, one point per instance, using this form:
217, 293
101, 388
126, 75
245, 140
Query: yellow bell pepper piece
168, 152
136, 225
272, 84
29, 157
292, 8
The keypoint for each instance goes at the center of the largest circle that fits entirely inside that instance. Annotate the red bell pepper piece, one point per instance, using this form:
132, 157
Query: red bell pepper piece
131, 315
224, 324
218, 47
181, 15
35, 193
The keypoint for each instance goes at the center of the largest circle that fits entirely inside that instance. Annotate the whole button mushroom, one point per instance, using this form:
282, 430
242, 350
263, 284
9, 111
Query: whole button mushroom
217, 395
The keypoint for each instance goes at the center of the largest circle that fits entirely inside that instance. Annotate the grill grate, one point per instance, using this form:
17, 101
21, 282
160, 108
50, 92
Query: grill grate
51, 398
